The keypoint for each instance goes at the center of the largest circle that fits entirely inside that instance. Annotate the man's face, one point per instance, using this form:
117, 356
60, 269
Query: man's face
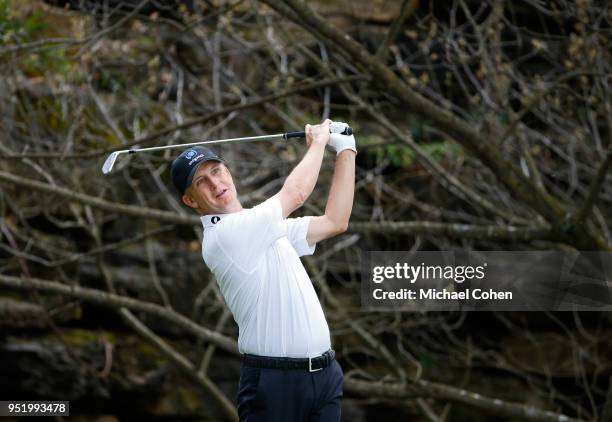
212, 190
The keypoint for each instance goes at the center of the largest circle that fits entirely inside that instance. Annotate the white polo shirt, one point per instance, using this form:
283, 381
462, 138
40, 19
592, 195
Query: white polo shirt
254, 255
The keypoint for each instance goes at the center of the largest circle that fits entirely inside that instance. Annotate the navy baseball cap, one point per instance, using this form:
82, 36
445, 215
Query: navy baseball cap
184, 166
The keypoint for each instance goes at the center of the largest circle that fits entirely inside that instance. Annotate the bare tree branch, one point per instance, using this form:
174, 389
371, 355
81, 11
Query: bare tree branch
113, 300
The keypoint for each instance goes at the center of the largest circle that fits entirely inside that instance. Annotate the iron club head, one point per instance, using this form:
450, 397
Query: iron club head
110, 162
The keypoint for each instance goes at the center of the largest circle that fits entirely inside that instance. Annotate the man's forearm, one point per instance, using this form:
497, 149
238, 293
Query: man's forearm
301, 181
340, 200
303, 177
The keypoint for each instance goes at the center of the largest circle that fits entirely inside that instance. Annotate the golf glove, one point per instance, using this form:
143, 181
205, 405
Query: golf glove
339, 142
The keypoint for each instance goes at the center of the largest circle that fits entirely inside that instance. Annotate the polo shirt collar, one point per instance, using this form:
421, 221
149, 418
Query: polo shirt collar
211, 219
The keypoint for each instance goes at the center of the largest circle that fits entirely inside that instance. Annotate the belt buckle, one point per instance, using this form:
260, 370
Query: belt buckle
310, 366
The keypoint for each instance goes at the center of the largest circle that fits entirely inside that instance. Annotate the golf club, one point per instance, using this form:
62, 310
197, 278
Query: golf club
334, 127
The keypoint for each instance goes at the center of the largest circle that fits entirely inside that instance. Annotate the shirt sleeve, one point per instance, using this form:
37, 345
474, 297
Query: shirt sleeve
297, 230
245, 235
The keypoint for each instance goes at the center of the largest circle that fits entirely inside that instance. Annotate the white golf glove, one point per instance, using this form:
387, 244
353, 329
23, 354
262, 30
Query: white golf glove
339, 142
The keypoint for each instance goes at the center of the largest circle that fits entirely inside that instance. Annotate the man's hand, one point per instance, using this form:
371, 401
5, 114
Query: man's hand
339, 142
318, 134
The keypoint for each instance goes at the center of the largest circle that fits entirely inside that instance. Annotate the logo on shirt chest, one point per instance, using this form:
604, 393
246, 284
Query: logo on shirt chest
215, 219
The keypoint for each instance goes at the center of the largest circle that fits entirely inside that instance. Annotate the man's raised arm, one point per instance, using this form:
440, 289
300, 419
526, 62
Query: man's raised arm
340, 199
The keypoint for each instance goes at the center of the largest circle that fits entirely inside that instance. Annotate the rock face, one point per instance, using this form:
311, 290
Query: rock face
19, 314
378, 11
107, 373
381, 11
43, 369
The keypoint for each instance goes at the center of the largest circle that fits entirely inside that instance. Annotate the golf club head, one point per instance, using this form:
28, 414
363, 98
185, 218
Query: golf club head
110, 162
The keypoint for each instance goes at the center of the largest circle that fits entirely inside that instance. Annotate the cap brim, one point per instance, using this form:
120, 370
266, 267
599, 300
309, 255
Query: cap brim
195, 169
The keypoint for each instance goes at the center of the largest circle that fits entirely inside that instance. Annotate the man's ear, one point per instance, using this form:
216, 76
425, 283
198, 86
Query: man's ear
189, 201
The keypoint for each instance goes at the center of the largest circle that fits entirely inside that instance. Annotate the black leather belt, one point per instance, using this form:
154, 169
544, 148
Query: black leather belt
313, 364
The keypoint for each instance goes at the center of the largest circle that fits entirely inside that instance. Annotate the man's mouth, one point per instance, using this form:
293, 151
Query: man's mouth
221, 194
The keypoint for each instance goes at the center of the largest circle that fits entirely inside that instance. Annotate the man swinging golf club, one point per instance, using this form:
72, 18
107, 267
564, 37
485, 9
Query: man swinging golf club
288, 373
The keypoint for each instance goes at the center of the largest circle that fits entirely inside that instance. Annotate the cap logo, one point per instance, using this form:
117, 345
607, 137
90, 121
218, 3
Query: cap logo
190, 154
196, 159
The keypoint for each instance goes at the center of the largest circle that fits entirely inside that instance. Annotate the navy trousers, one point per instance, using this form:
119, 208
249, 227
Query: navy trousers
296, 395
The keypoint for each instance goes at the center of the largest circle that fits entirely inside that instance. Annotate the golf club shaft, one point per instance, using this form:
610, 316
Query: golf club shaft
285, 136
218, 141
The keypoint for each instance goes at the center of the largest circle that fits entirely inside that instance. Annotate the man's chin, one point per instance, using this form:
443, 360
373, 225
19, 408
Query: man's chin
223, 205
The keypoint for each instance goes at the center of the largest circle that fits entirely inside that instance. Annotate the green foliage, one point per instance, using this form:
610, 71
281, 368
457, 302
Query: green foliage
416, 125
46, 60
17, 29
114, 80
403, 156
426, 361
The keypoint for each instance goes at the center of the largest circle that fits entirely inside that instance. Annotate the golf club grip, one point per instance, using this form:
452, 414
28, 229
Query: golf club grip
289, 135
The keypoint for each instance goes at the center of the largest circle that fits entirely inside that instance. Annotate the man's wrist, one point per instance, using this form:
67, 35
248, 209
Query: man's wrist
346, 153
319, 143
